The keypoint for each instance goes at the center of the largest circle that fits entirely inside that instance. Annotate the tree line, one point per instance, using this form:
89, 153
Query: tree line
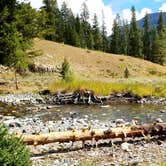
145, 42
20, 23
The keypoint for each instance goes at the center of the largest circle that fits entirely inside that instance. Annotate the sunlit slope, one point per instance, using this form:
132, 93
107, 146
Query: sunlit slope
94, 64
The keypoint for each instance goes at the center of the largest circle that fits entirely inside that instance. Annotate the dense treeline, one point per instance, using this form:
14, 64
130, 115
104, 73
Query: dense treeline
19, 23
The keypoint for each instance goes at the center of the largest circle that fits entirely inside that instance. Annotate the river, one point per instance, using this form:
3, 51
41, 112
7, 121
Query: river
142, 113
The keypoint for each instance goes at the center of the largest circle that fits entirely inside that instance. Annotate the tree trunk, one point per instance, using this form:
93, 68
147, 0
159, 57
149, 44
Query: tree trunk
16, 83
96, 134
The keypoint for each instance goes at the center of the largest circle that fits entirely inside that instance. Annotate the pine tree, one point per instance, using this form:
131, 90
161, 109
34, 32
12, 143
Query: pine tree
26, 20
41, 23
51, 10
90, 41
12, 49
161, 24
159, 47
68, 28
126, 73
79, 31
115, 37
12, 150
147, 48
96, 34
86, 28
66, 72
135, 42
105, 41
124, 38
154, 57
84, 13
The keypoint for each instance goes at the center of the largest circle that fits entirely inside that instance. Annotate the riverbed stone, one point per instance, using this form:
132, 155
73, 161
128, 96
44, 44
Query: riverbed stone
12, 123
126, 146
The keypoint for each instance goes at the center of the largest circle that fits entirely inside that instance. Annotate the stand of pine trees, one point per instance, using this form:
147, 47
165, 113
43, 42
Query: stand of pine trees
19, 23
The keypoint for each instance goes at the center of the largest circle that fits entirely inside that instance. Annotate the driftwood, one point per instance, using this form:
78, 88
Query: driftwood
85, 96
81, 96
97, 134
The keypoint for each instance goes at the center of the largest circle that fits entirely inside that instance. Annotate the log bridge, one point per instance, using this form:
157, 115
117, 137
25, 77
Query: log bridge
145, 130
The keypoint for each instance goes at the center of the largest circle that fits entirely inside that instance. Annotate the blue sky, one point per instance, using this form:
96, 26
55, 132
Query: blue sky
119, 5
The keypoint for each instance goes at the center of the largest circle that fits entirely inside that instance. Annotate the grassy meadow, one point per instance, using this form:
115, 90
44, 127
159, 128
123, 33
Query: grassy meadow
148, 88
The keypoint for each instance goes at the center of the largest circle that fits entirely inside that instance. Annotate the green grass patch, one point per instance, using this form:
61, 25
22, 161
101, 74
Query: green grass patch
104, 88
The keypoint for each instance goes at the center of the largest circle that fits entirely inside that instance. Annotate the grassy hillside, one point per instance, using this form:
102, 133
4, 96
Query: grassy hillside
95, 70
94, 64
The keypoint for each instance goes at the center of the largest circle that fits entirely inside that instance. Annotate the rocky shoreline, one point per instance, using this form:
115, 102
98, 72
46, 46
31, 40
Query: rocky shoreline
109, 152
61, 98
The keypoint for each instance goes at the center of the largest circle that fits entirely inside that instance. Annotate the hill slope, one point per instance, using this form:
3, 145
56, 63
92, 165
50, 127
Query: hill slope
94, 64
153, 17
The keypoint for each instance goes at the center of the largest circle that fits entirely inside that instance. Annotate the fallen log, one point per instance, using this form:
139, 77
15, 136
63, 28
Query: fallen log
96, 134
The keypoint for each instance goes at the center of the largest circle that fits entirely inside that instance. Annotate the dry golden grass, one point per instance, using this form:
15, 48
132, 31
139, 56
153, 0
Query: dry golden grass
95, 65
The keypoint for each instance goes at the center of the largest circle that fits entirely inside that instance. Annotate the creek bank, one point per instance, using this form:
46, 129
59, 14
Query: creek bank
84, 96
108, 152
79, 97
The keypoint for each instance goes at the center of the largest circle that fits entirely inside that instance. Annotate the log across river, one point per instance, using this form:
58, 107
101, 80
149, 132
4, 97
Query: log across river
96, 134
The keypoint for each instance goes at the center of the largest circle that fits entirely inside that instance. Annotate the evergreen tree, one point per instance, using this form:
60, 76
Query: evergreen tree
159, 49
66, 72
124, 38
12, 49
147, 39
154, 57
105, 41
90, 41
135, 42
87, 32
68, 25
41, 23
115, 37
51, 10
161, 24
79, 31
126, 73
12, 150
84, 13
96, 34
26, 20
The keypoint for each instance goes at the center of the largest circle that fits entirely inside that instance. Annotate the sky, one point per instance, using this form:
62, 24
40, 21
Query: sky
110, 8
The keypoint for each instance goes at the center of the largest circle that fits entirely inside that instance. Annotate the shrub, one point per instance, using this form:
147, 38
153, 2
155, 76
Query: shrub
126, 73
66, 72
12, 150
152, 71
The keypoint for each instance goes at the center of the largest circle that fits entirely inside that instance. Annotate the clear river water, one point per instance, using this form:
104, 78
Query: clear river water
142, 113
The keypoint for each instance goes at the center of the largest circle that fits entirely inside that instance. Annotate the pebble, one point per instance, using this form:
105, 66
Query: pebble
126, 146
1, 117
162, 111
159, 120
